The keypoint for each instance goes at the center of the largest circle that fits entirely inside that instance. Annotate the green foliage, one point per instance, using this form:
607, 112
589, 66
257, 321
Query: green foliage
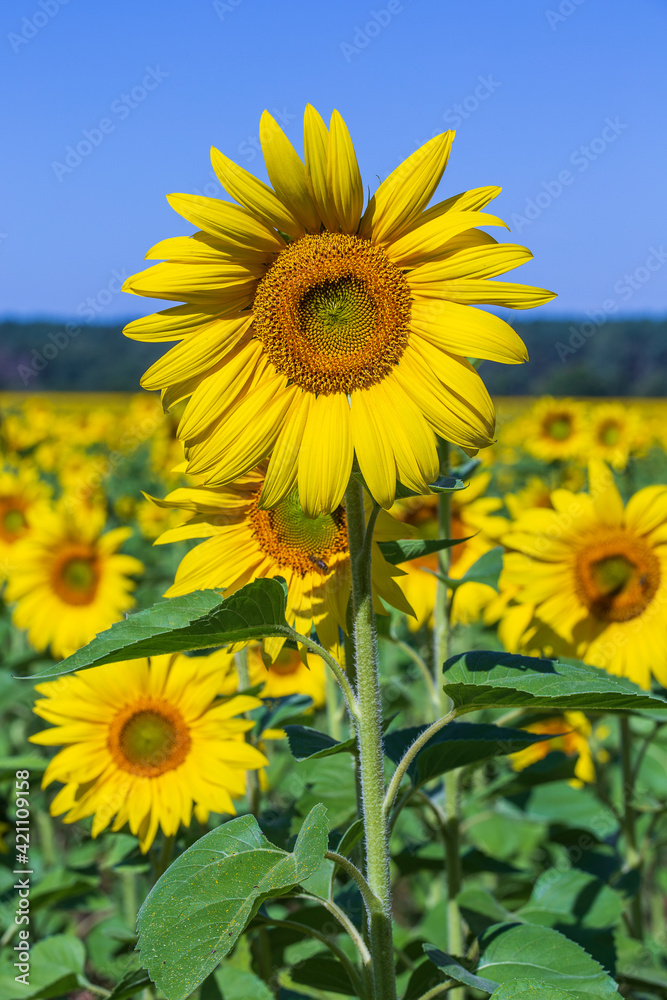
201, 620
197, 910
415, 548
487, 679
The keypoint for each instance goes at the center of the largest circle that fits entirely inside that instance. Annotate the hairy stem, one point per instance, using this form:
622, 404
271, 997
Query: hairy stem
369, 738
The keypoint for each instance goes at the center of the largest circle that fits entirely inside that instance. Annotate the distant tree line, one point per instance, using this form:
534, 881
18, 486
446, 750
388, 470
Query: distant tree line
567, 358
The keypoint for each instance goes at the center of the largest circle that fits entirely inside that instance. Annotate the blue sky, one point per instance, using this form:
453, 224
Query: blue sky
559, 101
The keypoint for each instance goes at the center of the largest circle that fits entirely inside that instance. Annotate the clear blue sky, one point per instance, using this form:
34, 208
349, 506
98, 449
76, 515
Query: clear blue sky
535, 81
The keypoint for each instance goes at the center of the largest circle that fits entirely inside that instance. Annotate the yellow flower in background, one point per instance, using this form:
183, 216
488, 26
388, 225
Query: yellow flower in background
554, 429
145, 741
21, 490
68, 579
536, 493
595, 575
314, 330
244, 542
474, 517
615, 432
288, 674
570, 734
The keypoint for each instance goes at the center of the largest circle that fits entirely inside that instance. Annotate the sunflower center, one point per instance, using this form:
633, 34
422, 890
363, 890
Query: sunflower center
609, 434
149, 739
559, 427
76, 575
303, 543
287, 662
617, 576
333, 313
12, 519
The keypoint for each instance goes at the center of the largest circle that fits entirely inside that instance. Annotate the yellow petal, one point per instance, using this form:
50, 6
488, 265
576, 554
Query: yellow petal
472, 262
197, 283
460, 378
287, 173
466, 201
204, 248
411, 438
407, 191
255, 195
170, 324
343, 176
470, 333
281, 475
473, 291
432, 238
373, 449
246, 435
447, 411
196, 354
604, 493
325, 458
220, 390
316, 147
647, 509
231, 223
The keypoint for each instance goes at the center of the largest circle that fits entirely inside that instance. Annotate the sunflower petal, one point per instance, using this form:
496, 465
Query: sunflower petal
171, 324
472, 262
343, 176
281, 475
316, 147
197, 354
325, 458
373, 449
432, 238
407, 191
254, 195
467, 332
287, 173
203, 284
497, 293
231, 223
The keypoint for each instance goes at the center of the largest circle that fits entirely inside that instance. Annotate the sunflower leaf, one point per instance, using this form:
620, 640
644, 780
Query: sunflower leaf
454, 970
306, 743
396, 552
443, 484
196, 912
201, 620
488, 679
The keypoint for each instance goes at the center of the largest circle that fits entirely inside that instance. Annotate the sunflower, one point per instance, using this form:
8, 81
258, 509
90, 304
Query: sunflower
615, 432
313, 330
554, 429
145, 740
20, 492
594, 576
535, 493
244, 542
68, 579
570, 734
473, 517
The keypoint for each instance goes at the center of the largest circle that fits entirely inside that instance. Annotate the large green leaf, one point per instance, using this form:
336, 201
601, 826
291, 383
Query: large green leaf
533, 989
195, 621
488, 679
55, 968
306, 743
404, 549
572, 897
525, 951
323, 972
456, 745
197, 910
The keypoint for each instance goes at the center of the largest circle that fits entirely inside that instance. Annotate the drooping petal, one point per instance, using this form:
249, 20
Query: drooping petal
231, 223
281, 475
197, 354
325, 458
470, 333
205, 284
373, 448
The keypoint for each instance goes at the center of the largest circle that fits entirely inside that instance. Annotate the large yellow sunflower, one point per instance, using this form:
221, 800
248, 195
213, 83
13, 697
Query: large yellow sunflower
592, 576
145, 740
473, 517
245, 542
68, 579
316, 331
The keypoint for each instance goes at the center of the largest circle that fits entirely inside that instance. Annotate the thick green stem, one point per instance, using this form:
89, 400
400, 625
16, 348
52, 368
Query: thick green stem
633, 856
441, 651
369, 738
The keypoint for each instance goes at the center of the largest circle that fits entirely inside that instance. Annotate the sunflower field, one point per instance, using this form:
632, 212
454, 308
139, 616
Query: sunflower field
323, 673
